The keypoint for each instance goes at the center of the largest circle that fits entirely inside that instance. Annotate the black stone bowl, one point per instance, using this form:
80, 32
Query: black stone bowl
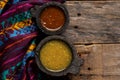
37, 10
74, 66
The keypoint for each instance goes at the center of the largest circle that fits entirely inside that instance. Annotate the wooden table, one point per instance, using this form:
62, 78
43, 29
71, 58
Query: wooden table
94, 29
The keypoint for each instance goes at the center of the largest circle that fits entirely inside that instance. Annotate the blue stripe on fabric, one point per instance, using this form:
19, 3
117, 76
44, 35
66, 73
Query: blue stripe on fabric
16, 1
1, 43
23, 31
6, 72
28, 54
0, 11
16, 18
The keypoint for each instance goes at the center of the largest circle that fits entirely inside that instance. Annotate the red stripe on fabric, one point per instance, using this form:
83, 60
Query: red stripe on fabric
13, 51
16, 39
13, 63
19, 9
10, 60
27, 37
20, 41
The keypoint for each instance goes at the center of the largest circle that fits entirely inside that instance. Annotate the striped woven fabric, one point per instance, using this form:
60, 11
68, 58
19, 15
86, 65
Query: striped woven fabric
18, 40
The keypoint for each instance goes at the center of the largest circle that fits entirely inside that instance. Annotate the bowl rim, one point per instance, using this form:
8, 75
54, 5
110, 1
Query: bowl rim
72, 65
56, 4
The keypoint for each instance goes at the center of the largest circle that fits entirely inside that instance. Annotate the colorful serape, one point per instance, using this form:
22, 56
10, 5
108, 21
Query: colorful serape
18, 35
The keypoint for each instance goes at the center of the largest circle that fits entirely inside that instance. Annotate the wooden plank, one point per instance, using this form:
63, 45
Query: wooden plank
93, 22
91, 77
92, 69
111, 77
92, 59
101, 62
86, 77
111, 59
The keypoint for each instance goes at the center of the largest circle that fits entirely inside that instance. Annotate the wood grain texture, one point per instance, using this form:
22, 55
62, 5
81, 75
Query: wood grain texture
93, 22
93, 63
94, 29
101, 62
92, 59
111, 59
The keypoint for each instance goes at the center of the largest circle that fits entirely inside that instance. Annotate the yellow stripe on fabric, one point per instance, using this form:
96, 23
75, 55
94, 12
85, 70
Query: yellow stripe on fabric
31, 48
18, 25
22, 24
3, 3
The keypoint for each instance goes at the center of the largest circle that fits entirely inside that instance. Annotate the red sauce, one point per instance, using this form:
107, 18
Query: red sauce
52, 18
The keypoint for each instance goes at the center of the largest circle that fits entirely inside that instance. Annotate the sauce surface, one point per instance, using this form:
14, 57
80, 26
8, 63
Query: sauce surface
52, 18
55, 55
